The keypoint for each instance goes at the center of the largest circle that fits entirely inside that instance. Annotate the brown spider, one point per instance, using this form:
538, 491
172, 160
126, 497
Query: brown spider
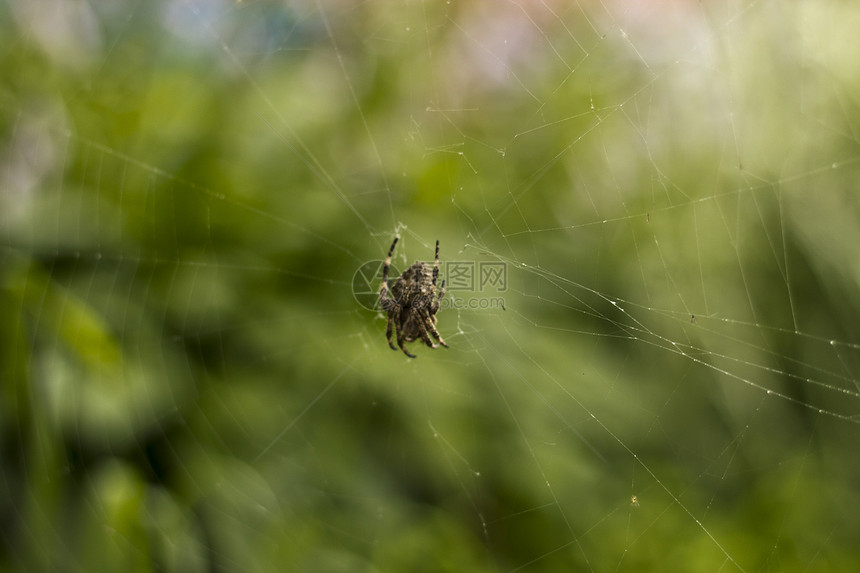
411, 302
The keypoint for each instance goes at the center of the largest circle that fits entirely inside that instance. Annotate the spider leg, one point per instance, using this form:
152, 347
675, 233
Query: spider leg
436, 304
384, 291
388, 264
431, 328
422, 328
400, 344
400, 337
388, 331
385, 300
435, 267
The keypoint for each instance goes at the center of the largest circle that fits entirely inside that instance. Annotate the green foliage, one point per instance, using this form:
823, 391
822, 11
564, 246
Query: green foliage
188, 384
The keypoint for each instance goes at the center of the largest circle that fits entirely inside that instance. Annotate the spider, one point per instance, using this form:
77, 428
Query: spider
411, 302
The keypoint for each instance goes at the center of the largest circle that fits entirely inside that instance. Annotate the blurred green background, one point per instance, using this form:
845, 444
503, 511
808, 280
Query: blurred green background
189, 190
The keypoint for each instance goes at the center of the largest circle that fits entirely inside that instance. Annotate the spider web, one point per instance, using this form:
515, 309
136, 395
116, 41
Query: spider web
647, 224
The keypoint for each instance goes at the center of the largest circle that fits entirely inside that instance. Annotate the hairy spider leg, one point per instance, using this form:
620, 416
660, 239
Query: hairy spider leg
426, 337
400, 344
387, 264
427, 326
436, 266
425, 323
387, 304
430, 326
435, 332
388, 330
